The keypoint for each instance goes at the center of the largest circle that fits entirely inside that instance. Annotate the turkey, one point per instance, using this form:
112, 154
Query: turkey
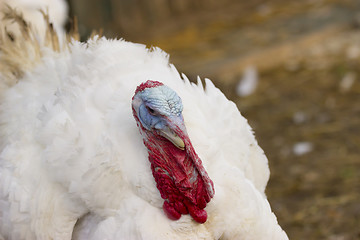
106, 140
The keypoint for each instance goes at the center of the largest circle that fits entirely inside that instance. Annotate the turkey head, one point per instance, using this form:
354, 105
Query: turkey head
178, 171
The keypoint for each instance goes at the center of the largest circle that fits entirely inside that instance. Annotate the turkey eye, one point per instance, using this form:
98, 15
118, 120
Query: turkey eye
150, 110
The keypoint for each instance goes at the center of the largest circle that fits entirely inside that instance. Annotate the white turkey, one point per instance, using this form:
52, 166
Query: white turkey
106, 140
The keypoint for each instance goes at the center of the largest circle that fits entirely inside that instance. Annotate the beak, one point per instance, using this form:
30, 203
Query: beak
174, 130
172, 137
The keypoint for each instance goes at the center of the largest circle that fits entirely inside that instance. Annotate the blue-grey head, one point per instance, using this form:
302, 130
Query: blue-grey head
158, 108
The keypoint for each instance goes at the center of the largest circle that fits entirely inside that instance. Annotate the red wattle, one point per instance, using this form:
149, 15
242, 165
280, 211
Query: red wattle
179, 175
170, 211
199, 215
172, 169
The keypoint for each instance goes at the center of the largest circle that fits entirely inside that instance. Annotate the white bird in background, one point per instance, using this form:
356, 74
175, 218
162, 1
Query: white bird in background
91, 149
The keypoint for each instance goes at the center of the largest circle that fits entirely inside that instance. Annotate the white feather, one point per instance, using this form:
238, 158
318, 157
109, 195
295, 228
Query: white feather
70, 146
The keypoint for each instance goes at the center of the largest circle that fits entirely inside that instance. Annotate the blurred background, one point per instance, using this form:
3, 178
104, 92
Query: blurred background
292, 68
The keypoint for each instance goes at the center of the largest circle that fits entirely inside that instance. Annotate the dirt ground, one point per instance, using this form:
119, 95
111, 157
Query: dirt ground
307, 54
